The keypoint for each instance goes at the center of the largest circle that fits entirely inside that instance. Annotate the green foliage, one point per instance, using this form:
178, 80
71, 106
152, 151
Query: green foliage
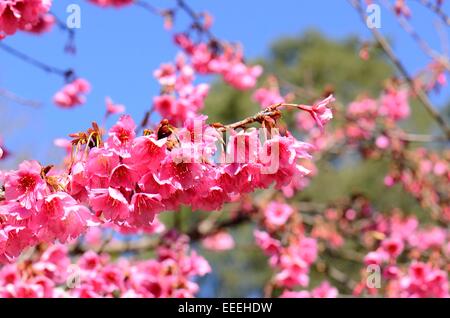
314, 61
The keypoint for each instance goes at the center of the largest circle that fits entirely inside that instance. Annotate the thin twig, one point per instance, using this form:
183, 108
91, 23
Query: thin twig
148, 7
420, 138
196, 18
421, 95
31, 60
70, 44
423, 45
436, 9
18, 99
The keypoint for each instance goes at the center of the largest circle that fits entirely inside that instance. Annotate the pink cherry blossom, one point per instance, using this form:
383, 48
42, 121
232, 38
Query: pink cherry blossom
25, 185
144, 207
167, 275
22, 15
229, 64
324, 290
267, 97
393, 247
112, 108
110, 204
276, 214
72, 94
321, 112
44, 24
220, 241
382, 142
394, 104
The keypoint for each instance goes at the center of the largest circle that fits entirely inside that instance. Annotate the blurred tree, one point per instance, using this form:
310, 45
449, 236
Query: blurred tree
313, 63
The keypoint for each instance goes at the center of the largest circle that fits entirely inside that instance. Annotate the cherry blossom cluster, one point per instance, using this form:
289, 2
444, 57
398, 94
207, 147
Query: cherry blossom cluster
128, 179
362, 114
36, 209
223, 59
180, 99
428, 250
292, 262
72, 94
367, 123
53, 274
410, 258
291, 253
133, 178
370, 126
270, 94
219, 241
24, 15
426, 177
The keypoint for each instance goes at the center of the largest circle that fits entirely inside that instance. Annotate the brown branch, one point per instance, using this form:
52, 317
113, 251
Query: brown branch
341, 277
259, 117
421, 95
436, 9
196, 18
420, 138
18, 99
32, 61
148, 7
271, 111
149, 243
423, 45
195, 234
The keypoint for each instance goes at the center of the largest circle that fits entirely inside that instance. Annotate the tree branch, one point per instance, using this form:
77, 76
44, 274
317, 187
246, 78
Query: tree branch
18, 99
32, 61
421, 95
436, 9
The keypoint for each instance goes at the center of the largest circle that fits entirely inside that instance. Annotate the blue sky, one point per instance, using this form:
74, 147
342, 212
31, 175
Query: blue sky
119, 49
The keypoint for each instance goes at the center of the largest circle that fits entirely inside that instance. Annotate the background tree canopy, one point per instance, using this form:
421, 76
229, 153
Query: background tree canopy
313, 63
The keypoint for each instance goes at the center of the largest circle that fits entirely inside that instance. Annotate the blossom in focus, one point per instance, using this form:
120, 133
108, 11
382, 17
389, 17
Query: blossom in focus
320, 111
